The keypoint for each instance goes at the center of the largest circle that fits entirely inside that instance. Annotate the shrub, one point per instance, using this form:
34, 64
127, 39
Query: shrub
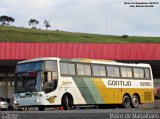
125, 36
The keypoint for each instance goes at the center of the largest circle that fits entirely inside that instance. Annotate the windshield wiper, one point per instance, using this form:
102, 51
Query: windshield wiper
20, 90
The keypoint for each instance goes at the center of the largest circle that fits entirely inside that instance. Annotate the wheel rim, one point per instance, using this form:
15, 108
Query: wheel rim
126, 102
135, 101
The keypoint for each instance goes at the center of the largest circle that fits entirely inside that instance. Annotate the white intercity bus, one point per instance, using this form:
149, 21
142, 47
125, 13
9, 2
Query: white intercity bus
50, 82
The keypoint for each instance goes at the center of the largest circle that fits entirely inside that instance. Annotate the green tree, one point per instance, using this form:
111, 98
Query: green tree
46, 24
6, 20
33, 22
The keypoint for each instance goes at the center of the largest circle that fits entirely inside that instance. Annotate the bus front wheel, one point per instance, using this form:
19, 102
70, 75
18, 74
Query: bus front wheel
41, 108
126, 101
67, 102
135, 101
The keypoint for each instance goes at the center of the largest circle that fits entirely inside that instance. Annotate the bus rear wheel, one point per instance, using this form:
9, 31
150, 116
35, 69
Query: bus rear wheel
126, 102
67, 102
135, 101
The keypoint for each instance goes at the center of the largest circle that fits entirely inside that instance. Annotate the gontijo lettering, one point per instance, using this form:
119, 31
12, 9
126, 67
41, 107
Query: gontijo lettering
119, 83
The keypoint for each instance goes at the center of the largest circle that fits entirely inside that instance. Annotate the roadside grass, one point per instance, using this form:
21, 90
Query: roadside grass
17, 34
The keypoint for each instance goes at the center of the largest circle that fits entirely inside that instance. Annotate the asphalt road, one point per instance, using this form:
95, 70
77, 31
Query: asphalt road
145, 111
84, 114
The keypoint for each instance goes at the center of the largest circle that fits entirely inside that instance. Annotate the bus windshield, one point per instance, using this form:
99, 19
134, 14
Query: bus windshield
27, 82
36, 76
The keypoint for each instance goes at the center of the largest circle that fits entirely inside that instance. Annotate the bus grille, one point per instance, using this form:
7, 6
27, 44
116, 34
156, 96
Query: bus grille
147, 96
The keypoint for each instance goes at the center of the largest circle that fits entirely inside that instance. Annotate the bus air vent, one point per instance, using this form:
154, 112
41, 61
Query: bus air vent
147, 96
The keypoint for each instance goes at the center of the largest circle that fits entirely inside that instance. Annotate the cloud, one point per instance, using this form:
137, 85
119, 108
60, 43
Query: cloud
86, 16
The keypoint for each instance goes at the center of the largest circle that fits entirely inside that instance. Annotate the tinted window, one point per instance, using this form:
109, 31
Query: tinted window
39, 65
51, 65
87, 69
64, 68
116, 72
126, 72
147, 73
71, 69
84, 69
138, 72
129, 72
113, 71
141, 73
32, 66
99, 70
67, 68
110, 71
96, 70
21, 67
80, 69
102, 71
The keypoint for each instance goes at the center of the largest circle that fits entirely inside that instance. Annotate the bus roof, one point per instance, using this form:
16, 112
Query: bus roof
39, 59
110, 62
84, 60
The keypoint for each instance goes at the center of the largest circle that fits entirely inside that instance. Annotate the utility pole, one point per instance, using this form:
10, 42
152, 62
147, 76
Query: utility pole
106, 26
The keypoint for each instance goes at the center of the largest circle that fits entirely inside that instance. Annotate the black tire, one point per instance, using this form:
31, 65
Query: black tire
67, 102
41, 108
135, 101
126, 102
10, 108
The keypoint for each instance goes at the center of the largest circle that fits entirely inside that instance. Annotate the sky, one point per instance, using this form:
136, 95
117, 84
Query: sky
111, 17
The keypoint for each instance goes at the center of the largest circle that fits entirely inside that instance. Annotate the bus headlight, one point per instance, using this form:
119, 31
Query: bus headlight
40, 95
37, 100
15, 102
34, 94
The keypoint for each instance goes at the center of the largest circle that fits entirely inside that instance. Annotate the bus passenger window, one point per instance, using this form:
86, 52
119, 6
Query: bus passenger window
71, 69
110, 71
99, 70
102, 71
64, 68
126, 72
116, 72
96, 70
67, 69
113, 71
147, 74
87, 70
141, 73
84, 69
51, 65
138, 72
80, 69
129, 72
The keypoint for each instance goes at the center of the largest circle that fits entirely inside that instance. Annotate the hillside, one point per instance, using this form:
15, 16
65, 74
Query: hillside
15, 34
